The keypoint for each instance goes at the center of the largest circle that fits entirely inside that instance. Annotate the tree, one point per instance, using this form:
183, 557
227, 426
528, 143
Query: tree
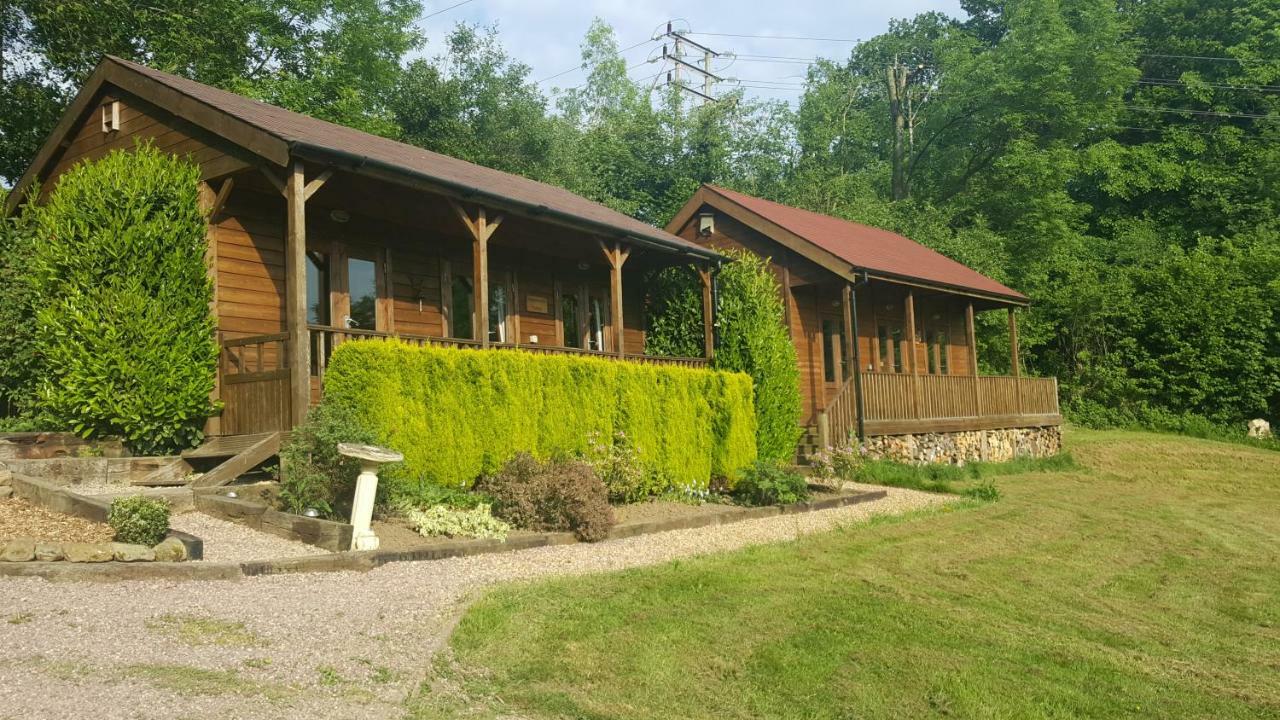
334, 59
121, 296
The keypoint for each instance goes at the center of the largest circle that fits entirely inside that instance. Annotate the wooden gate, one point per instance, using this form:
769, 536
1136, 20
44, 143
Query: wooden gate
254, 375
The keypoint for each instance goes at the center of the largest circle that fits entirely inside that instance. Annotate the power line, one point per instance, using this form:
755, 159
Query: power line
1207, 113
1206, 57
776, 37
445, 10
582, 66
1166, 82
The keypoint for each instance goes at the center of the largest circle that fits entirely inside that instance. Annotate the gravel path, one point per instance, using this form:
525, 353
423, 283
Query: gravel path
228, 542
337, 645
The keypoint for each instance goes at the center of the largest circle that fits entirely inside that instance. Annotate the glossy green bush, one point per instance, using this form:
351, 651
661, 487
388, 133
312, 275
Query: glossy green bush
121, 292
771, 483
456, 414
139, 520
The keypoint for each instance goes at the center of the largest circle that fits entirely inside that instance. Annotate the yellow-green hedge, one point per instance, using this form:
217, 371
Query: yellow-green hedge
458, 413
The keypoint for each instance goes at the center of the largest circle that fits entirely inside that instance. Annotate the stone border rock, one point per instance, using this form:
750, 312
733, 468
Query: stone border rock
363, 561
60, 499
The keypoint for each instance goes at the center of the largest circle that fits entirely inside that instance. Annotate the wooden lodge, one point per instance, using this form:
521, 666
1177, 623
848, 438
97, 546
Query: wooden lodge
320, 234
883, 326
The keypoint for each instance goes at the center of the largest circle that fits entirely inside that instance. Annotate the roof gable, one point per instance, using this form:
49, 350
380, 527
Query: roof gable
844, 246
276, 134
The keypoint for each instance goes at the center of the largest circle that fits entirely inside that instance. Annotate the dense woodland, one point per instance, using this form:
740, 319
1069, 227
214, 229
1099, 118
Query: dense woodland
1116, 160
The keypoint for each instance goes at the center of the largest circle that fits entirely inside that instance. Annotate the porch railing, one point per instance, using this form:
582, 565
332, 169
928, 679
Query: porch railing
325, 339
897, 403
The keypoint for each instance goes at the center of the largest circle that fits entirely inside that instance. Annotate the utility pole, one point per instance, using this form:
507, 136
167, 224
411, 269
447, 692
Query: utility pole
897, 76
679, 63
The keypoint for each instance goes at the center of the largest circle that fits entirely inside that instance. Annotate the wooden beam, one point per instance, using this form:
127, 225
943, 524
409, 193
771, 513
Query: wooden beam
971, 337
846, 305
513, 307
912, 365
209, 201
296, 295
314, 186
480, 278
446, 299
220, 199
557, 304
276, 181
617, 257
708, 327
1015, 367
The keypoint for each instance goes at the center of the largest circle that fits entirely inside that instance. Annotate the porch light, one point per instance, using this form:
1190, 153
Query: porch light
339, 216
584, 266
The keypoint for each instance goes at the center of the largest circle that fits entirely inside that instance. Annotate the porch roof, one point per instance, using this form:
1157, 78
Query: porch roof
852, 247
277, 135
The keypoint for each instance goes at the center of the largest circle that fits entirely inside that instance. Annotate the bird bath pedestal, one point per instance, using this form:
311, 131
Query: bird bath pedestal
370, 457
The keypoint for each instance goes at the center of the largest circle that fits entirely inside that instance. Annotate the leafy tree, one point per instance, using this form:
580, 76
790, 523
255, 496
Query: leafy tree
121, 291
334, 59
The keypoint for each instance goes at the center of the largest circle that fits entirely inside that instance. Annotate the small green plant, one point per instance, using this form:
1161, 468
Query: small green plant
838, 463
329, 675
985, 491
139, 520
619, 467
564, 495
315, 475
770, 483
442, 520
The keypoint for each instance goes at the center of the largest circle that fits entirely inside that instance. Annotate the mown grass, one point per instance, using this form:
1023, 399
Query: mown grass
1145, 583
951, 478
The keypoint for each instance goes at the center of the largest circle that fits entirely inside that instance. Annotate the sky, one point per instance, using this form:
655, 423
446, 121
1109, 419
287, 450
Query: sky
547, 34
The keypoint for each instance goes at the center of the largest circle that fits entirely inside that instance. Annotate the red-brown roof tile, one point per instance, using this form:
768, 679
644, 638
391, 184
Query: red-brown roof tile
293, 127
870, 248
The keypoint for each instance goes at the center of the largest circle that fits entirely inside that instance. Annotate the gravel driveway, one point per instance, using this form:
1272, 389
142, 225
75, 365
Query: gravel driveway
337, 645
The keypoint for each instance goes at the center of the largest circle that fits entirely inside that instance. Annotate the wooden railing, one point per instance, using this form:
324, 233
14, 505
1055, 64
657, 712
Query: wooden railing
325, 339
897, 403
254, 384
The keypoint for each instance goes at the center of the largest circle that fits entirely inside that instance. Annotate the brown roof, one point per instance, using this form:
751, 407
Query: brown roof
304, 132
869, 248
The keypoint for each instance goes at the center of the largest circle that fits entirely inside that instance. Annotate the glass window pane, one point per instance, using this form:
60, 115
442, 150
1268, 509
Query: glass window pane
569, 318
362, 284
897, 350
497, 314
595, 325
883, 335
931, 342
317, 288
829, 350
945, 366
461, 320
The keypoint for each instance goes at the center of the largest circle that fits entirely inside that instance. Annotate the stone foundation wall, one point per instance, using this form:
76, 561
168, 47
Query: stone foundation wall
958, 448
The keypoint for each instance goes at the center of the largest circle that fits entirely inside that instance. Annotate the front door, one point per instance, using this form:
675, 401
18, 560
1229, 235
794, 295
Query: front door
362, 291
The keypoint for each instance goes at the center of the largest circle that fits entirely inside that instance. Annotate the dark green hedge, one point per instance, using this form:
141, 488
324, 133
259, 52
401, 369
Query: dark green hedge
121, 296
458, 413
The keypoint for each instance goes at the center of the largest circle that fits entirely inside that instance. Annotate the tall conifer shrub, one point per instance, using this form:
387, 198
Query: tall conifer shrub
122, 295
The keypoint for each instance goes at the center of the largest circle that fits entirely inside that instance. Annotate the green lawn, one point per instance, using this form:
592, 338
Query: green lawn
1146, 584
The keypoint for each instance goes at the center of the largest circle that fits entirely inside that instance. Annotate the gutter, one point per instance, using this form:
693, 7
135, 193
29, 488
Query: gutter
357, 161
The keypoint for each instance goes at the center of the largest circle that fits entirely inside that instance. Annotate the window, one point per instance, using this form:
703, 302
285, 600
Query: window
362, 287
835, 364
595, 325
896, 338
461, 302
317, 288
931, 342
886, 349
944, 364
497, 314
569, 319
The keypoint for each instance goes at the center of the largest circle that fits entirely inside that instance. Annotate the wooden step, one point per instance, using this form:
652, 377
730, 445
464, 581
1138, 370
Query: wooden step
225, 446
171, 473
264, 447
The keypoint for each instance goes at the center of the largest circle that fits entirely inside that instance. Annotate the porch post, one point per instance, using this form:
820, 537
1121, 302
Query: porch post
296, 293
911, 352
481, 230
971, 337
480, 279
708, 313
850, 342
1014, 364
851, 330
617, 257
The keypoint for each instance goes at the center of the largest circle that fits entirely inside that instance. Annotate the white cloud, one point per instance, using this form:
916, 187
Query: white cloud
547, 35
